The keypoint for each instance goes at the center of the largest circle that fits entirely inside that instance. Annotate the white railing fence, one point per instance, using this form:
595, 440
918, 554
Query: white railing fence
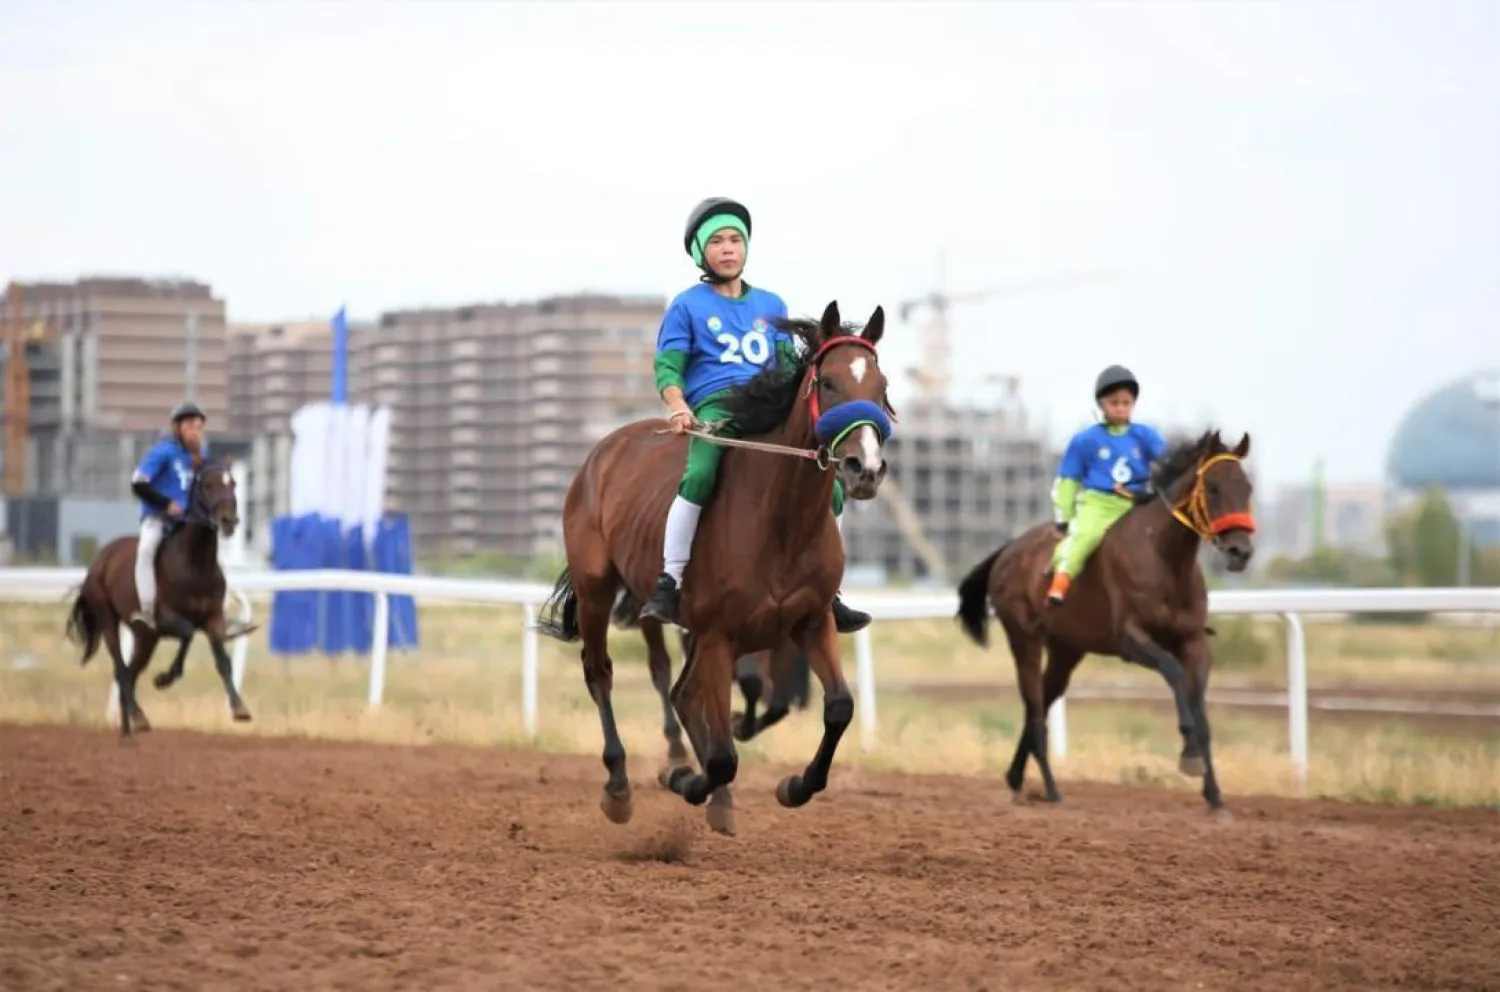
1290, 604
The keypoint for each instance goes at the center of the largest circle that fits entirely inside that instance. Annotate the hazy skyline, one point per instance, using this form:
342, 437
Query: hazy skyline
1303, 200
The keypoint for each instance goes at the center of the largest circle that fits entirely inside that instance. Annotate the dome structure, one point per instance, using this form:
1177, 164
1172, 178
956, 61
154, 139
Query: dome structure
1451, 438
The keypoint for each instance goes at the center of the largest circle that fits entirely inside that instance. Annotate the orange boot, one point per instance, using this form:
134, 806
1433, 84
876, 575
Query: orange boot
1059, 588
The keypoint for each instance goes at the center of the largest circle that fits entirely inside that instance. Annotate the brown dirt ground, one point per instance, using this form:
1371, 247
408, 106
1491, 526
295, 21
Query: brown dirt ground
213, 861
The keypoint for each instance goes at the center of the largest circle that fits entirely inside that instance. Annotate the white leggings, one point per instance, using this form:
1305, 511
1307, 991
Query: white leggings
145, 563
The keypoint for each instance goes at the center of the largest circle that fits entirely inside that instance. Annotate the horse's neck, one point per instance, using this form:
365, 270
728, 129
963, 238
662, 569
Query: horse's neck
794, 482
198, 545
1176, 543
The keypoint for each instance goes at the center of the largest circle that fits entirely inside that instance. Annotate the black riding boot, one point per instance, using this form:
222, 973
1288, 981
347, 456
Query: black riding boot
847, 619
664, 600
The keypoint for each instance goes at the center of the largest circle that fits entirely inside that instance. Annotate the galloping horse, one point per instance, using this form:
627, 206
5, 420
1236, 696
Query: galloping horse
1141, 598
768, 559
190, 586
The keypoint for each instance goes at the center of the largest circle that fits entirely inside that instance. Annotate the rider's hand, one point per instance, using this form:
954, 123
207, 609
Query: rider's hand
173, 510
682, 420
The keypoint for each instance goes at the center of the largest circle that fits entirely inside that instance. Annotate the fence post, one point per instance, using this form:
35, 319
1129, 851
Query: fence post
242, 645
1057, 728
380, 642
528, 671
864, 666
1296, 696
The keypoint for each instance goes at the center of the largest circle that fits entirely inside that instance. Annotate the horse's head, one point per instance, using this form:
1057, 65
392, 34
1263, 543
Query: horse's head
213, 499
1214, 499
846, 395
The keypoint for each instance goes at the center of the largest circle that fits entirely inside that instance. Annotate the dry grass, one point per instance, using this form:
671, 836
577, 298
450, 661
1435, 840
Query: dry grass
464, 686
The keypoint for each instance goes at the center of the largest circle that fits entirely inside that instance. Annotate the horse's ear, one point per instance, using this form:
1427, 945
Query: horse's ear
1243, 448
875, 327
1215, 443
831, 321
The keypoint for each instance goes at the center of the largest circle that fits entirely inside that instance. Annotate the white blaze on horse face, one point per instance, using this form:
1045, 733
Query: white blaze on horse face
858, 367
869, 448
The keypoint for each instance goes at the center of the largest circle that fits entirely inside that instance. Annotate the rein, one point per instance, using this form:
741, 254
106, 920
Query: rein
1193, 513
822, 455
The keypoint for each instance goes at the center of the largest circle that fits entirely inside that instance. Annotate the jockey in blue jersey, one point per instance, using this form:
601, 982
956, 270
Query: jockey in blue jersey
162, 483
715, 336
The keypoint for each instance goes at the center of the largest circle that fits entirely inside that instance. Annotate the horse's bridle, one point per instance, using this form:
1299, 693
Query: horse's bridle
1192, 510
207, 508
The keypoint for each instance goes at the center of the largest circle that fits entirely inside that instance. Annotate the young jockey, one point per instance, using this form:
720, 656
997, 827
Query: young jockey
161, 482
1104, 467
713, 337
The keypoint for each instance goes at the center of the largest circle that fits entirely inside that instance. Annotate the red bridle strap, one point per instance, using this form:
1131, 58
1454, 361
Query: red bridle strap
817, 360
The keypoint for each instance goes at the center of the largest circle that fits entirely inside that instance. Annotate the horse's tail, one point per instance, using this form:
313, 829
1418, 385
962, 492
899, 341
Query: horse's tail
973, 599
558, 616
627, 612
83, 627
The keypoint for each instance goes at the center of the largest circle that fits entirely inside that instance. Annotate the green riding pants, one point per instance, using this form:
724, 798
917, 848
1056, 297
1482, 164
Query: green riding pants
1094, 513
702, 471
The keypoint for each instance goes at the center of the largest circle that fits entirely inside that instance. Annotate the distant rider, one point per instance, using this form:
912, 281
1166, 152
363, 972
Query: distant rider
1103, 469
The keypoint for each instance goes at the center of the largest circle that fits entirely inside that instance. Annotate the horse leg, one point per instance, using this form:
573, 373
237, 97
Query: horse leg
786, 666
747, 674
702, 699
128, 674
166, 679
1026, 649
1140, 648
1062, 659
214, 629
1197, 659
661, 677
821, 642
595, 591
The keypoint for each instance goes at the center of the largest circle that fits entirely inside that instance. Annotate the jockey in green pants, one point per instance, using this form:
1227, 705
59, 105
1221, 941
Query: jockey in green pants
716, 336
1102, 471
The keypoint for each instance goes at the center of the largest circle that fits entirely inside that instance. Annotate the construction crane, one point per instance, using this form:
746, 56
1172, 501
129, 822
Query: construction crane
934, 375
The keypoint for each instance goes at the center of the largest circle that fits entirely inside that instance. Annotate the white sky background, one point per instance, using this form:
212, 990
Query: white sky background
1303, 200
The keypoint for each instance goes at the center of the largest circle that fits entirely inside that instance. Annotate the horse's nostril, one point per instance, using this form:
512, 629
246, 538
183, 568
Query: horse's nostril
853, 464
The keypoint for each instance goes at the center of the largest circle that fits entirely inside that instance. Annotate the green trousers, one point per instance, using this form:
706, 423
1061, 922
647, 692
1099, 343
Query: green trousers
702, 471
1094, 513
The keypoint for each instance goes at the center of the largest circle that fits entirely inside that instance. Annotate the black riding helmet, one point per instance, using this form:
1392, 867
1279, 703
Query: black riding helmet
185, 411
1113, 378
711, 207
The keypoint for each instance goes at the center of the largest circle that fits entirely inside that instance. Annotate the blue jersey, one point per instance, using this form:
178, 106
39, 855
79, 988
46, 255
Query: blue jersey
1101, 459
167, 468
727, 341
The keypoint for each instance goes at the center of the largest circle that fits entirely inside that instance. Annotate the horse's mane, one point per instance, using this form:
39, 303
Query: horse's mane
763, 404
1182, 457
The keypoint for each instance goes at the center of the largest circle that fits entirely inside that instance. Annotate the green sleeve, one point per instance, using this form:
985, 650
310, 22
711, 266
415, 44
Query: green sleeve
670, 366
786, 351
1064, 496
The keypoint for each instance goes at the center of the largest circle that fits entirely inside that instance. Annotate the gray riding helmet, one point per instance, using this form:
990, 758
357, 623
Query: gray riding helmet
183, 411
1113, 378
705, 210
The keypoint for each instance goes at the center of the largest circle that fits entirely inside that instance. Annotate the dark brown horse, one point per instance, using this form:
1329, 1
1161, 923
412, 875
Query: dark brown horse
190, 594
768, 557
1141, 598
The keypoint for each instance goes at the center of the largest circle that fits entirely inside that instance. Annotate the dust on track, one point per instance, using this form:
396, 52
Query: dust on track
194, 861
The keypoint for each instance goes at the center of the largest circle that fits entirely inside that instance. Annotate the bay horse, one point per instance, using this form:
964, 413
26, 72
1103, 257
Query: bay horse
768, 557
1141, 598
190, 594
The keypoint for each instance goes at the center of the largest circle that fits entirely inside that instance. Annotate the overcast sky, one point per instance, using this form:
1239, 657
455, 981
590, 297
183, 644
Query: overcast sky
1302, 200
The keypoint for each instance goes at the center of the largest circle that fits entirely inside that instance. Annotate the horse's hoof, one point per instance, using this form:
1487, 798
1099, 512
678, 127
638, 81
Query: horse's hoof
242, 715
617, 809
1221, 814
738, 727
1017, 797
1191, 766
787, 792
721, 819
162, 681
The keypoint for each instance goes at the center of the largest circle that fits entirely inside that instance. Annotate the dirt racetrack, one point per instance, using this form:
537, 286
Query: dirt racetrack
220, 861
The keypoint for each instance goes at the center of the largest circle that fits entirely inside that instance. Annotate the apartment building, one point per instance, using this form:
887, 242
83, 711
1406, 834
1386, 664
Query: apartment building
115, 354
493, 406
